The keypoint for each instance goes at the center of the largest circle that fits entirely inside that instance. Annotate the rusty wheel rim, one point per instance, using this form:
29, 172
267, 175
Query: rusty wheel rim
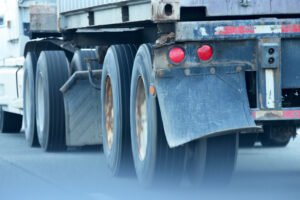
109, 113
141, 119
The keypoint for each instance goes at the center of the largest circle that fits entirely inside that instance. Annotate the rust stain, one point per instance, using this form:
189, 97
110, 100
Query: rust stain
165, 39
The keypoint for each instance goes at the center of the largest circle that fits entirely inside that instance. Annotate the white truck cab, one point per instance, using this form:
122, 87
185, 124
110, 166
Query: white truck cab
11, 85
16, 29
14, 25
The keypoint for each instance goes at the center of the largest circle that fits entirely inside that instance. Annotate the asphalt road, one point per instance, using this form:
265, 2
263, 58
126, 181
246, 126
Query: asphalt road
30, 173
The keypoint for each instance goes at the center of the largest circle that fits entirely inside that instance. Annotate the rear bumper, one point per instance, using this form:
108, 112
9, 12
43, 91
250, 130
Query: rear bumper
276, 115
237, 29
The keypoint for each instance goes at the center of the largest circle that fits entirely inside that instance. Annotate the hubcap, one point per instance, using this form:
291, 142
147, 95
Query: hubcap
109, 113
141, 119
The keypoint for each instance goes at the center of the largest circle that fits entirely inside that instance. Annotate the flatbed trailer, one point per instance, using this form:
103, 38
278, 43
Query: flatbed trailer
167, 87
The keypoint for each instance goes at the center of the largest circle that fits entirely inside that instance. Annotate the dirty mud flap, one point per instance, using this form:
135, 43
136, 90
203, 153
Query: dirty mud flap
82, 110
195, 103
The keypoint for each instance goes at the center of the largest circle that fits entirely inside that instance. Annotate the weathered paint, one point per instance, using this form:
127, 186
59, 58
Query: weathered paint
43, 18
234, 30
237, 29
290, 59
212, 7
269, 74
75, 5
270, 88
259, 29
159, 10
264, 115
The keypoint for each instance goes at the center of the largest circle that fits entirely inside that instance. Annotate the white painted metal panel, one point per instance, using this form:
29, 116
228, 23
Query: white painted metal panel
135, 12
78, 20
213, 7
11, 84
76, 14
113, 14
71, 5
8, 85
270, 88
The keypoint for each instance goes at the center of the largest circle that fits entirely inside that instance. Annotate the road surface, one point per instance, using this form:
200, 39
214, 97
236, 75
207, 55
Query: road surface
30, 173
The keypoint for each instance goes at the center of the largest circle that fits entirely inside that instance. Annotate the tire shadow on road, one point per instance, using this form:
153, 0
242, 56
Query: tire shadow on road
85, 149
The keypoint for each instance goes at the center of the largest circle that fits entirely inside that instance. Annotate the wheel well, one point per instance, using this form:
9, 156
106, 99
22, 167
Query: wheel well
50, 45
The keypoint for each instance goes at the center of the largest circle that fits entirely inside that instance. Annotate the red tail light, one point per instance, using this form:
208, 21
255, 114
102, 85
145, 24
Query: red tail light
205, 52
176, 55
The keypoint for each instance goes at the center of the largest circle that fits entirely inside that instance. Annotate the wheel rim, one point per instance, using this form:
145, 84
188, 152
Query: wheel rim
27, 110
40, 106
109, 113
141, 119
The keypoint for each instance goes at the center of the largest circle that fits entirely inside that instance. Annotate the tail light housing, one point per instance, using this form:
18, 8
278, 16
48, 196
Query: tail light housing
176, 55
205, 52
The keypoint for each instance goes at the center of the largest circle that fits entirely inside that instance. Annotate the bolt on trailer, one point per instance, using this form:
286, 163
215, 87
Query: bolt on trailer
166, 86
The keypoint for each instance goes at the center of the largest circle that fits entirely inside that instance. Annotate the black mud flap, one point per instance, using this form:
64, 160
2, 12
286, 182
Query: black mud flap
201, 105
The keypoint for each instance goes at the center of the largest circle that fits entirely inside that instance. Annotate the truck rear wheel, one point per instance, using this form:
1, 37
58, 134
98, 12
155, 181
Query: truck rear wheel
52, 73
29, 99
155, 163
274, 136
115, 89
212, 160
10, 122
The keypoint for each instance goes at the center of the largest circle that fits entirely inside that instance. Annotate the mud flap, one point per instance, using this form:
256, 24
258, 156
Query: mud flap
195, 105
82, 110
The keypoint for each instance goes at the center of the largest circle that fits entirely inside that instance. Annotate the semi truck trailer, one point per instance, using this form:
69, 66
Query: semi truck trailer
166, 86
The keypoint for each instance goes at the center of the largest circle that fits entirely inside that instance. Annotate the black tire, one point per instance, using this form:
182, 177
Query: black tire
29, 99
51, 74
247, 140
155, 163
115, 89
212, 160
79, 63
268, 141
10, 122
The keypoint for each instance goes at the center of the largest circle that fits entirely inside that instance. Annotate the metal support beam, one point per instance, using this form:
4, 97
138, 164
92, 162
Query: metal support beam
269, 76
